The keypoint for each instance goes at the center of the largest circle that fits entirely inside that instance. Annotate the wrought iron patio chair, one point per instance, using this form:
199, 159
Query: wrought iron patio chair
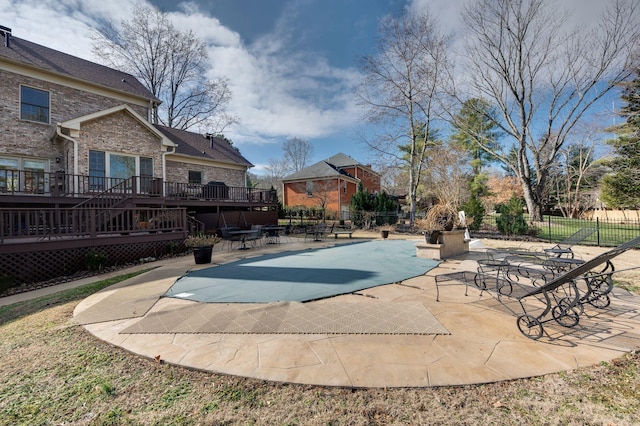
565, 296
228, 239
562, 250
553, 295
564, 247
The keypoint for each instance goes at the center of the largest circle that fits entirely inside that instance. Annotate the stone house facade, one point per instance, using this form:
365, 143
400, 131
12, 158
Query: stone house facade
62, 114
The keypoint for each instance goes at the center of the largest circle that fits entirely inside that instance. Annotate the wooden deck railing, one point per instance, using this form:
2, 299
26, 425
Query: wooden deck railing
58, 184
44, 224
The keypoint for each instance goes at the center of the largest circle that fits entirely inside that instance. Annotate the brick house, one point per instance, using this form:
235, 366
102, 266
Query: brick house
67, 115
78, 135
330, 183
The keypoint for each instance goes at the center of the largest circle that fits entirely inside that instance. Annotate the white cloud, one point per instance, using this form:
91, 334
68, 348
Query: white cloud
277, 92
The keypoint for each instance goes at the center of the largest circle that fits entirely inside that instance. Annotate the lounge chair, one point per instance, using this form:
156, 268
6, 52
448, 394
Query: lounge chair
562, 250
565, 299
553, 295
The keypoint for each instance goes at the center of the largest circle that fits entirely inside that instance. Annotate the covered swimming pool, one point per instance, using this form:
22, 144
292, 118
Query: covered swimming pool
304, 275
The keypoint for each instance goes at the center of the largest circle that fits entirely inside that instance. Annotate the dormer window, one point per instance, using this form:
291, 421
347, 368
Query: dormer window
34, 104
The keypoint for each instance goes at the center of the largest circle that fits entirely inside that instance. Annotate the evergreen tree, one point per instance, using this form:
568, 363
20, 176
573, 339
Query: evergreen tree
474, 128
621, 188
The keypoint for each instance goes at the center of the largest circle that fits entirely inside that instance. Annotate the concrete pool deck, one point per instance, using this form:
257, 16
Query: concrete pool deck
483, 343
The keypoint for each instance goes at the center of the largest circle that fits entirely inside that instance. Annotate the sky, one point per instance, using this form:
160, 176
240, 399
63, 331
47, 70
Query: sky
291, 65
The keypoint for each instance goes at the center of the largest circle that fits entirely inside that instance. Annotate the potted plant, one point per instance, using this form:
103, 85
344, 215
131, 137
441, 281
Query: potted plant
441, 217
202, 246
385, 230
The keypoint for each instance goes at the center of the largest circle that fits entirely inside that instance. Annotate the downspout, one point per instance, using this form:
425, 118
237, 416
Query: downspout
75, 156
164, 166
339, 200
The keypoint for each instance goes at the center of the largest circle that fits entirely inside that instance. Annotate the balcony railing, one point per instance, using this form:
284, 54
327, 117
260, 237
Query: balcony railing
58, 184
46, 224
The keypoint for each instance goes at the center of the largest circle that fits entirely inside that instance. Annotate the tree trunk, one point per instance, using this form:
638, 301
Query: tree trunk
412, 208
533, 204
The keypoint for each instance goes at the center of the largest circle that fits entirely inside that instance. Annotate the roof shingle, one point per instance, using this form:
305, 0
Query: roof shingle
197, 145
34, 55
330, 167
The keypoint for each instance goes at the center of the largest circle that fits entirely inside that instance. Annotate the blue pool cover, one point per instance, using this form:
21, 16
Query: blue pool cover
304, 275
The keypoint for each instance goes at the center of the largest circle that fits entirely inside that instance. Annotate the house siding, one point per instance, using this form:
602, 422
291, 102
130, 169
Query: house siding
295, 194
179, 172
115, 133
31, 139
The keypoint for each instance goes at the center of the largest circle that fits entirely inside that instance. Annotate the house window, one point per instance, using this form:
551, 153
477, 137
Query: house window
146, 173
309, 188
97, 170
23, 174
9, 175
34, 177
195, 177
146, 166
109, 169
34, 104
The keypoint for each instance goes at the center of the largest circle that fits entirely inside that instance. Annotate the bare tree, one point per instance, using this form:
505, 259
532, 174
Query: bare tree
447, 174
172, 64
275, 170
543, 77
400, 89
297, 154
575, 183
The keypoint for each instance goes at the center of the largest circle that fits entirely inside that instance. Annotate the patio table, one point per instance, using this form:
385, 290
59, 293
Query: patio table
273, 233
243, 235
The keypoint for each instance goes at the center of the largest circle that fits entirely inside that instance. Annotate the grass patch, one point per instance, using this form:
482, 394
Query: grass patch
19, 310
556, 229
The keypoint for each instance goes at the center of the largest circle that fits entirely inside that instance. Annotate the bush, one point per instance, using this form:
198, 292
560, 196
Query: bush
474, 209
511, 220
95, 260
6, 282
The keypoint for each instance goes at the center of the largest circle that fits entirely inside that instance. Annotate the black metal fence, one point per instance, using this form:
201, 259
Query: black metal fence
608, 233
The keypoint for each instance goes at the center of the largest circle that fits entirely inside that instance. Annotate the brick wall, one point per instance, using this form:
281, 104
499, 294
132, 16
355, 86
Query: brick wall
295, 194
33, 139
370, 181
119, 133
179, 172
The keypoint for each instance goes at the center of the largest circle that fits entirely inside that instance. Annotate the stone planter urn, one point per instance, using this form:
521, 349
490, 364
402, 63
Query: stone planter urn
431, 237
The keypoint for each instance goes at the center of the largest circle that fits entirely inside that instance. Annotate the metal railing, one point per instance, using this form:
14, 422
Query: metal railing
608, 233
60, 184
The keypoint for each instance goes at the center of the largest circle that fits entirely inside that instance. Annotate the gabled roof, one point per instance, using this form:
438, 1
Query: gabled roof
76, 123
43, 58
342, 160
331, 167
210, 148
321, 169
